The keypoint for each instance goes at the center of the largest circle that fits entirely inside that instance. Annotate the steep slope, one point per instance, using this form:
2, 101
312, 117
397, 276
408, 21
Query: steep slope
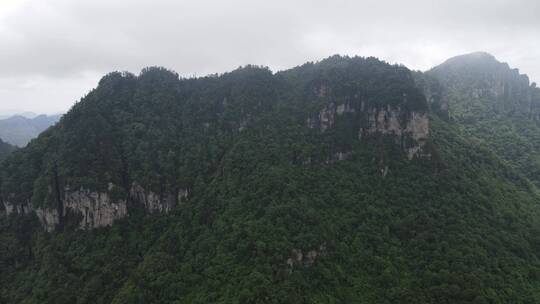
327, 183
147, 141
19, 130
5, 150
480, 86
496, 105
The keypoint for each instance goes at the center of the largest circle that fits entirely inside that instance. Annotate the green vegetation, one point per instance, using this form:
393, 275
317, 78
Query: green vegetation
461, 226
5, 150
496, 106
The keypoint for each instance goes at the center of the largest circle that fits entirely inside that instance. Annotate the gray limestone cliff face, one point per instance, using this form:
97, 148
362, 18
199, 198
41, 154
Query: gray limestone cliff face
95, 209
9, 208
410, 129
155, 203
327, 116
47, 217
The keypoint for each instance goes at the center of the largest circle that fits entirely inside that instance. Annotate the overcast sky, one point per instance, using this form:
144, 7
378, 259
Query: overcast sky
52, 52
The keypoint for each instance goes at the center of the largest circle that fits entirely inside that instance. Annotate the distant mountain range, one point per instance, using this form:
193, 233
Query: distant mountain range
19, 129
26, 114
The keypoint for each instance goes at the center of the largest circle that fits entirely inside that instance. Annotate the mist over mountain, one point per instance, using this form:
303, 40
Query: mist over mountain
348, 180
19, 129
496, 105
8, 114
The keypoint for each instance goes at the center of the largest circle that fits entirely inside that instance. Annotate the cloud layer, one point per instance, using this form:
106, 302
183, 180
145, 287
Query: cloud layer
53, 52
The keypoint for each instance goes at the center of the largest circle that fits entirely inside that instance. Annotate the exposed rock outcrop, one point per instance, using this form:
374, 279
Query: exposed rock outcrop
93, 208
339, 156
155, 203
403, 126
9, 208
409, 128
48, 217
307, 259
327, 116
96, 209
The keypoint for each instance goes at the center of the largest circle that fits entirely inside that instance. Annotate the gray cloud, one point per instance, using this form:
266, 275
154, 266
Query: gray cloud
53, 52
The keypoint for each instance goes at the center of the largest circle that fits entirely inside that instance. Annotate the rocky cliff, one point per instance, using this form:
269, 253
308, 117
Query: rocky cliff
408, 128
91, 209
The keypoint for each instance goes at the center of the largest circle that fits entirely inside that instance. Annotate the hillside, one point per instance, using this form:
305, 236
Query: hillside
5, 150
347, 180
19, 130
496, 105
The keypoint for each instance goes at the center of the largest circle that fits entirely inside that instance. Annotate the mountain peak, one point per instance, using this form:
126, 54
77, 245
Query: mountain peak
481, 77
482, 61
479, 65
481, 55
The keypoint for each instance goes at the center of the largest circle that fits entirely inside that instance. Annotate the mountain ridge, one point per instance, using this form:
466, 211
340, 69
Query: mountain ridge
496, 105
261, 187
18, 130
400, 113
483, 77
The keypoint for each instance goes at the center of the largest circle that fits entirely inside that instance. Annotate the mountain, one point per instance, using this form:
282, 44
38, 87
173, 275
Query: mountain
495, 105
5, 150
26, 114
19, 130
347, 180
480, 86
130, 154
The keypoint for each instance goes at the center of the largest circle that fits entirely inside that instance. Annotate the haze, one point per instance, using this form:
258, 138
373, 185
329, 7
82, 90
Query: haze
53, 52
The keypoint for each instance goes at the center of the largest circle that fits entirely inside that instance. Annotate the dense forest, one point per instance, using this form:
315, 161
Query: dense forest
5, 150
311, 185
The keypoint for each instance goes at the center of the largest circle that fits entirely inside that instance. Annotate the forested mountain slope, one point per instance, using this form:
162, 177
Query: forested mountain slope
5, 150
496, 105
333, 182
